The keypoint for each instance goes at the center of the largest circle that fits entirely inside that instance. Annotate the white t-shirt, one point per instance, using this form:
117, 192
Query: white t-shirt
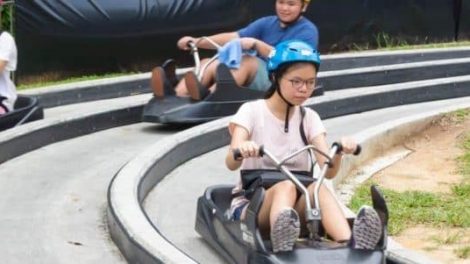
8, 53
266, 129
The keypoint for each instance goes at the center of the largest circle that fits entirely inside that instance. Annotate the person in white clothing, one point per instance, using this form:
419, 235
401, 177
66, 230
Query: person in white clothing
8, 60
276, 122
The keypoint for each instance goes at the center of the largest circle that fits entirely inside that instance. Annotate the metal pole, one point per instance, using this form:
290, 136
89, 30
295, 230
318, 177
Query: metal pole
457, 14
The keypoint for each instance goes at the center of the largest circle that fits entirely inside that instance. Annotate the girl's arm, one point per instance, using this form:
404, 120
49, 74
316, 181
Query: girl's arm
3, 64
220, 39
349, 146
240, 140
262, 48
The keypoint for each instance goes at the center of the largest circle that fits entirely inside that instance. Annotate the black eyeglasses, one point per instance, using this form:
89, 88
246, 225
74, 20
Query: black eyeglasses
298, 83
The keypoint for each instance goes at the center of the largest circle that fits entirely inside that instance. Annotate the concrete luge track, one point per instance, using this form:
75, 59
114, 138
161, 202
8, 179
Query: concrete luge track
171, 206
154, 164
362, 59
69, 240
139, 83
130, 225
54, 199
75, 121
389, 74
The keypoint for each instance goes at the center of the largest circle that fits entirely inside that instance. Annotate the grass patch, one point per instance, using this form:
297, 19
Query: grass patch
71, 80
464, 160
411, 208
461, 114
429, 46
462, 253
385, 41
447, 239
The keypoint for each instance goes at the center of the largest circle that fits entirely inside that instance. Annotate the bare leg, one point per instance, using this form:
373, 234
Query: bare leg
208, 78
281, 195
242, 76
333, 219
247, 71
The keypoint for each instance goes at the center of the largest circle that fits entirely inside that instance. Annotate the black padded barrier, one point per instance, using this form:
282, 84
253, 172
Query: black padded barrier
82, 37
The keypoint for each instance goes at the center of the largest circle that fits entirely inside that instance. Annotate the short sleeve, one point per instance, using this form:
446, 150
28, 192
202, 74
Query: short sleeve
254, 29
243, 118
311, 36
314, 125
6, 47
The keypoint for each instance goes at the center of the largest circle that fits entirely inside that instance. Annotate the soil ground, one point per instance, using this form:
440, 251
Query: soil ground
431, 167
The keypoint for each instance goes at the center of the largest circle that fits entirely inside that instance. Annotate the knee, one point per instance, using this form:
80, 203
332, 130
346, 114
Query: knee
250, 63
204, 61
286, 187
322, 191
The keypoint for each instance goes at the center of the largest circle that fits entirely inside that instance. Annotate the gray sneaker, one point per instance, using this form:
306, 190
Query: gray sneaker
285, 231
367, 229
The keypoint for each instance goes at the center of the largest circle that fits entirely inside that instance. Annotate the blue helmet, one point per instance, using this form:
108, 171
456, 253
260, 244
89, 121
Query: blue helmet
292, 51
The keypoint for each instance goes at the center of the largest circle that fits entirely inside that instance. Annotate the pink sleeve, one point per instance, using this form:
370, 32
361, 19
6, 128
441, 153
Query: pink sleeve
242, 118
313, 124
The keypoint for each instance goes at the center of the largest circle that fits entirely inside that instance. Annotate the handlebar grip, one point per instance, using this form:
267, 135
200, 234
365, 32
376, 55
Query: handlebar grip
358, 150
237, 154
261, 150
191, 44
340, 148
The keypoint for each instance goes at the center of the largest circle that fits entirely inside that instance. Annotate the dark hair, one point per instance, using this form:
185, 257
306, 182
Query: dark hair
275, 76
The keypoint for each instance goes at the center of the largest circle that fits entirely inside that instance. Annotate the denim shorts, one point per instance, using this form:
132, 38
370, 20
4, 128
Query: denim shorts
237, 213
261, 81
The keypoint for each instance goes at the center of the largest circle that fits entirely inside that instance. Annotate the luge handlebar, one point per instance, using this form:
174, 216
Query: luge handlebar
312, 214
237, 155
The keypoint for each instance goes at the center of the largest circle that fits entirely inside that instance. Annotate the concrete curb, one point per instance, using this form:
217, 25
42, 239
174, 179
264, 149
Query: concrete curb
28, 137
389, 74
140, 175
374, 58
85, 91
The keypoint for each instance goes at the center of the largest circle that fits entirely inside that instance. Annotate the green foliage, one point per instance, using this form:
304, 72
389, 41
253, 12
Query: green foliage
463, 253
385, 41
6, 13
461, 114
72, 80
447, 239
413, 207
464, 160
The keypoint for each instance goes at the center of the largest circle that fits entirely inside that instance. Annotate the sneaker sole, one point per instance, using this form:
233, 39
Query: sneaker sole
192, 86
157, 82
367, 229
285, 231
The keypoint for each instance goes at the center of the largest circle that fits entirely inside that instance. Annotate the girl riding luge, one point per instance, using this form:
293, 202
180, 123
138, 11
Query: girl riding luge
278, 121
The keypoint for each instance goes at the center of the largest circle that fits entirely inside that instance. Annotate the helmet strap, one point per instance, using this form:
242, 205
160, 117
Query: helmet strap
289, 105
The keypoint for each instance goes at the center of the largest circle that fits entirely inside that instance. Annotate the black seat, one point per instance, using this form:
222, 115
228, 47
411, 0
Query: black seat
27, 109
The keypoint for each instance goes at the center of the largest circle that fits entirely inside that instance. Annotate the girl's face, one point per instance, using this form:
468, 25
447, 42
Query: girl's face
288, 10
298, 82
